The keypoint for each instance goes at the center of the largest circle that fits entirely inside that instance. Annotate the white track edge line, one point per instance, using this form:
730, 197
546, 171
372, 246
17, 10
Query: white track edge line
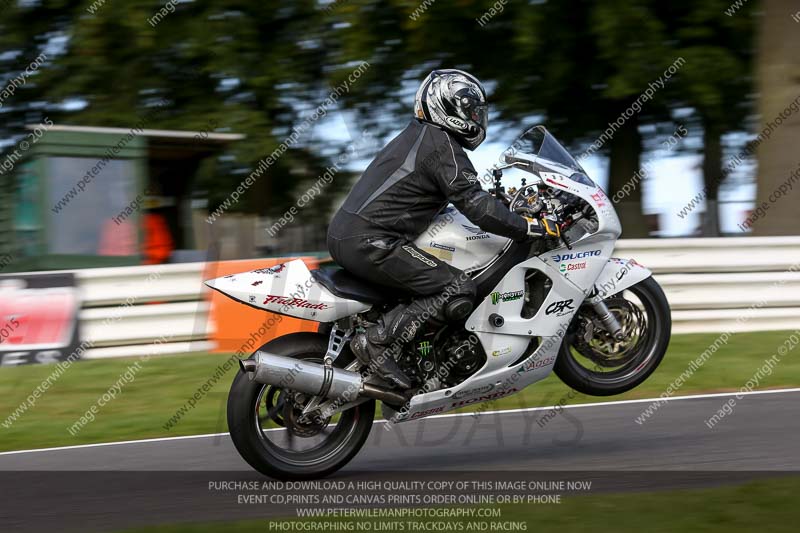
452, 415
618, 402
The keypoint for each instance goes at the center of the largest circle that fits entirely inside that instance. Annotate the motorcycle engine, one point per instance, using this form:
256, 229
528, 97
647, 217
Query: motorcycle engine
447, 357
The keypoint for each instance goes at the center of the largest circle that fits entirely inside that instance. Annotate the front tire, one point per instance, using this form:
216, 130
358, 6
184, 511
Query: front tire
249, 401
587, 369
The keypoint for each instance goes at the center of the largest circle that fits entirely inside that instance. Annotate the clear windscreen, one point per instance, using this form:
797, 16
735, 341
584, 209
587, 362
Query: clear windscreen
537, 144
540, 144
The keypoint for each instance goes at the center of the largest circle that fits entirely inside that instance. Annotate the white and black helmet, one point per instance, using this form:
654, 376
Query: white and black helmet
456, 101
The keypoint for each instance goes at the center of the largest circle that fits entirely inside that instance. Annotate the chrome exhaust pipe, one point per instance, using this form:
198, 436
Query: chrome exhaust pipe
313, 378
303, 376
247, 365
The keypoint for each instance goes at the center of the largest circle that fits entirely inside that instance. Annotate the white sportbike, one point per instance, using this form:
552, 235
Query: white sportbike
302, 405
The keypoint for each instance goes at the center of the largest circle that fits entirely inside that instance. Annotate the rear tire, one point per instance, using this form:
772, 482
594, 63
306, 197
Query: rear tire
594, 383
245, 427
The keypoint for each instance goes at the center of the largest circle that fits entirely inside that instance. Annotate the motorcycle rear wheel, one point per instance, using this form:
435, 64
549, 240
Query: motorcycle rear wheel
262, 417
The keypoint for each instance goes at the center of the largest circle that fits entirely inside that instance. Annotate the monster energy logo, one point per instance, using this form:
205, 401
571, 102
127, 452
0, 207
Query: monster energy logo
498, 297
424, 348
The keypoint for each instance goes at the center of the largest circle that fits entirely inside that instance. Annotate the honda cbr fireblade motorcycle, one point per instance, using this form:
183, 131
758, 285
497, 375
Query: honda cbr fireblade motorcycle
302, 405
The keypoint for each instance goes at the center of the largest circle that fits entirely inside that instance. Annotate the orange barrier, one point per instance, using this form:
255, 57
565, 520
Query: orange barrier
242, 328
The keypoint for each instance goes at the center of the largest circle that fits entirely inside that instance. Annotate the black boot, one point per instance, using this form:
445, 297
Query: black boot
381, 344
380, 358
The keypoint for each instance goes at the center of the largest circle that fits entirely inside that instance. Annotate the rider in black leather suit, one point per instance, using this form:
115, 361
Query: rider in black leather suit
411, 180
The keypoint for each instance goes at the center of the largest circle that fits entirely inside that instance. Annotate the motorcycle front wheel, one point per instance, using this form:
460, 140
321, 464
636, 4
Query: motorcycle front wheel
591, 361
269, 432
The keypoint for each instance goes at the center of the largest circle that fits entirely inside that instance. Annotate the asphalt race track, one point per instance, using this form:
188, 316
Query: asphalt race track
96, 488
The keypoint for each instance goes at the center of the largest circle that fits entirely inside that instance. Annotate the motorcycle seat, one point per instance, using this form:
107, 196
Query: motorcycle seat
345, 285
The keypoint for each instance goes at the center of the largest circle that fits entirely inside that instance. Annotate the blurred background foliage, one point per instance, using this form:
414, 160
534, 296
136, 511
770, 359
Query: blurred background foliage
260, 68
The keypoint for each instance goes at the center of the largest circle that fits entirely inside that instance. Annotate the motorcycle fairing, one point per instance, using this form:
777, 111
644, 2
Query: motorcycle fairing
569, 289
287, 289
618, 275
509, 366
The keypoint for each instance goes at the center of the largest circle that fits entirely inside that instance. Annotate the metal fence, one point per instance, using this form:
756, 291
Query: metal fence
713, 285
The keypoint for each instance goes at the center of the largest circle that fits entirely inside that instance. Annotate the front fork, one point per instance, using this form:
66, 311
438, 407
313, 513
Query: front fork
607, 318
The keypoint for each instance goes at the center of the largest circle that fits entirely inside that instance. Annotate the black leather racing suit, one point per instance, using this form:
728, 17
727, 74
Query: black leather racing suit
372, 235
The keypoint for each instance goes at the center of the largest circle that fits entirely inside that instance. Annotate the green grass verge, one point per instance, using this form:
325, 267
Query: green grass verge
163, 385
767, 505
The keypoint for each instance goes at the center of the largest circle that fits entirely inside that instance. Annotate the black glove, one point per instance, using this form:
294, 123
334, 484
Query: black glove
539, 227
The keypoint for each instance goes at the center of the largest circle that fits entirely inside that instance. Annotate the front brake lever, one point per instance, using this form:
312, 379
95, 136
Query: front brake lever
558, 212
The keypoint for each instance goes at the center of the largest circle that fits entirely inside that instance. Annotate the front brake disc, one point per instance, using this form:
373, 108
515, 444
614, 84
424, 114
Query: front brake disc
599, 346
